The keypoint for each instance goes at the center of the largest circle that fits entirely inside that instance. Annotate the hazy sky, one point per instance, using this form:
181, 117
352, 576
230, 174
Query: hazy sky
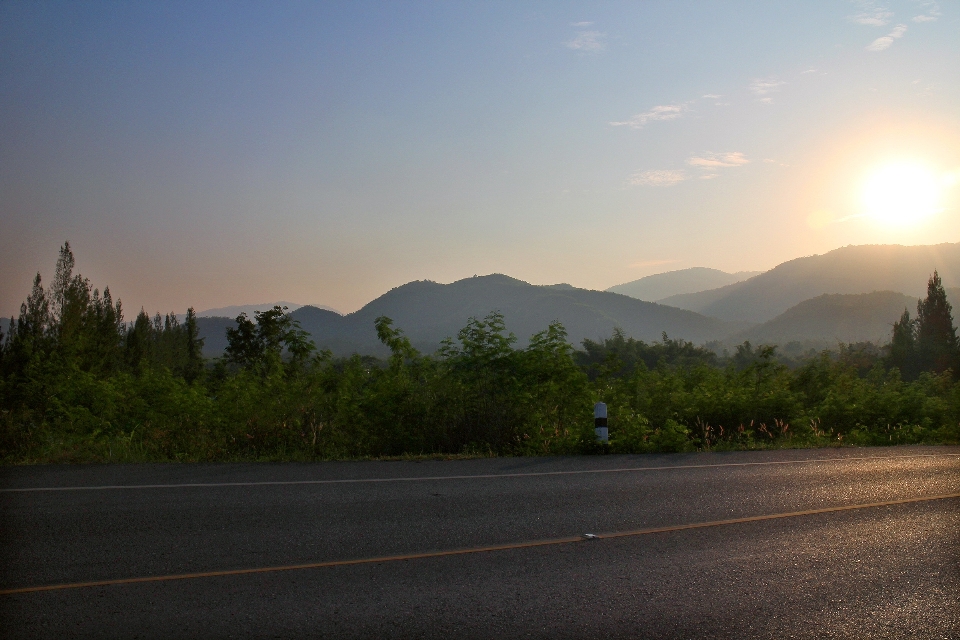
210, 154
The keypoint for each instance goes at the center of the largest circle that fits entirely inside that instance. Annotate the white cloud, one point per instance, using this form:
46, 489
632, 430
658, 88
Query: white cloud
660, 112
808, 71
878, 19
658, 178
884, 42
709, 163
714, 160
711, 96
872, 14
762, 86
587, 41
932, 11
580, 24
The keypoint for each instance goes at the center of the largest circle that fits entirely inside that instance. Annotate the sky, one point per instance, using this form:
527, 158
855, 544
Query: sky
209, 154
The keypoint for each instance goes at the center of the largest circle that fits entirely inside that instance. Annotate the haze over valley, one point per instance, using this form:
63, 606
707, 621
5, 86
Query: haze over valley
852, 294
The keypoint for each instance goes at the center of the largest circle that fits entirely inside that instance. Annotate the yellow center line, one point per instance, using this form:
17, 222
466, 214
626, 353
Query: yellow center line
485, 549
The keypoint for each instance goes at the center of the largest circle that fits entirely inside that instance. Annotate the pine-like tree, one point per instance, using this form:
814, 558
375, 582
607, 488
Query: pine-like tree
903, 347
937, 346
194, 343
139, 343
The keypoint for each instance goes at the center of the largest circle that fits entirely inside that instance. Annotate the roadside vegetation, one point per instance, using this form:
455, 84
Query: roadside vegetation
78, 383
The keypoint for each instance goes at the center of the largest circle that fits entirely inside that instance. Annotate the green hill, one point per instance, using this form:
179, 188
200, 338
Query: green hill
833, 318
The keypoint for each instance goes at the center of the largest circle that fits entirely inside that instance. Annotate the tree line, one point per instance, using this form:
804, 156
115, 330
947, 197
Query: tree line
80, 383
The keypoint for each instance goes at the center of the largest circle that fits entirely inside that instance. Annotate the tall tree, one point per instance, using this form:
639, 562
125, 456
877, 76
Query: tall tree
903, 347
104, 331
194, 361
937, 345
140, 342
62, 279
262, 345
71, 307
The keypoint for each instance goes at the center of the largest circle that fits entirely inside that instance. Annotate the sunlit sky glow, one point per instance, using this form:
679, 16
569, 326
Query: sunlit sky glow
903, 194
210, 154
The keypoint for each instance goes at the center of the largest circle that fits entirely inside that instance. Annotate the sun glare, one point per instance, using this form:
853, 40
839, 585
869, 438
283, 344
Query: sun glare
902, 194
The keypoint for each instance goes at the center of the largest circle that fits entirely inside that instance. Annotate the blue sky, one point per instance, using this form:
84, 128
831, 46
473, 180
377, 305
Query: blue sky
209, 154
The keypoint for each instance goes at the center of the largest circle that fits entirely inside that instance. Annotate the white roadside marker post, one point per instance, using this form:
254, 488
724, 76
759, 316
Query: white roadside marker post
600, 422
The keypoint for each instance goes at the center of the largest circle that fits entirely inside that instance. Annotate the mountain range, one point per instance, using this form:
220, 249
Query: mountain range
851, 269
833, 318
851, 294
250, 309
662, 285
428, 312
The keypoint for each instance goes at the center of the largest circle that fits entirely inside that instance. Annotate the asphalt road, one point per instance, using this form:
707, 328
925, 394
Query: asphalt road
888, 571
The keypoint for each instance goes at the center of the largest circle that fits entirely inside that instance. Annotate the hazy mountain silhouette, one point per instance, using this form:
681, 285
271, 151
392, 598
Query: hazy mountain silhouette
250, 309
833, 318
849, 295
662, 285
213, 330
428, 312
851, 269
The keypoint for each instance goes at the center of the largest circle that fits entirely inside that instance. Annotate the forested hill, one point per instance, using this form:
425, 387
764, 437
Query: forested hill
662, 285
834, 318
852, 269
428, 312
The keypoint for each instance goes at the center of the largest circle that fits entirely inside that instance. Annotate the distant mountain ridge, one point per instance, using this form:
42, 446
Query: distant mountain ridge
817, 298
833, 318
662, 285
250, 309
853, 269
428, 312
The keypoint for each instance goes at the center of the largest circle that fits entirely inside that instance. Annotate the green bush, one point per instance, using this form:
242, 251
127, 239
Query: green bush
79, 384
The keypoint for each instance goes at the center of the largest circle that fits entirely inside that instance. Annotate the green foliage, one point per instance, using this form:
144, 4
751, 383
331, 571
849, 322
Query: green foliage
629, 353
928, 343
77, 383
260, 346
937, 346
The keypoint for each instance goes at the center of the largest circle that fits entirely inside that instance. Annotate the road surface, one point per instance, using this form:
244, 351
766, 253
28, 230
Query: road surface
725, 545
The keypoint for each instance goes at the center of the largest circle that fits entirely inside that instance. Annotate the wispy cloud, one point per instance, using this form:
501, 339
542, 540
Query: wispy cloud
714, 160
587, 41
761, 87
710, 164
658, 178
660, 112
931, 11
580, 24
711, 96
806, 71
871, 14
884, 42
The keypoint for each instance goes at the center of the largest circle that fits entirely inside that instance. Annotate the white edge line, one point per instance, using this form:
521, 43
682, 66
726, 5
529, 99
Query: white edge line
188, 485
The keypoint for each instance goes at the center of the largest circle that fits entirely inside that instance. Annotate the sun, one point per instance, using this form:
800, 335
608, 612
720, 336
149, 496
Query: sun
902, 194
